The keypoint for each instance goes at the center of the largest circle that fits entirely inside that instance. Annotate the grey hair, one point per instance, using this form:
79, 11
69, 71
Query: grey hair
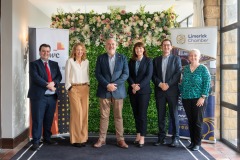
196, 51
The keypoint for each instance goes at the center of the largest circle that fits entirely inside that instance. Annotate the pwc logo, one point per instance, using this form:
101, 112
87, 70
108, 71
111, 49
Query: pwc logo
56, 54
60, 46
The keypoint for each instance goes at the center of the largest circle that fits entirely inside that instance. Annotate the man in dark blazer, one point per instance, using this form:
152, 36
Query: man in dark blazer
111, 73
166, 76
45, 76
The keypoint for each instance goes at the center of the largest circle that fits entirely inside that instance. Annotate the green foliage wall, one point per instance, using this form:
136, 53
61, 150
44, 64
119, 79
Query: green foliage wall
93, 29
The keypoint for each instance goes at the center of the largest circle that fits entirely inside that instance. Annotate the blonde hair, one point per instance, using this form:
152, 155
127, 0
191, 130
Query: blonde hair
73, 53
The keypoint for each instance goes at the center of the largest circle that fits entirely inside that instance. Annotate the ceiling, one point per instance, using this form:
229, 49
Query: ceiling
183, 8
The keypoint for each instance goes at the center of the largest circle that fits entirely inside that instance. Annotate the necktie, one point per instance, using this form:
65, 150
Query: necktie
48, 72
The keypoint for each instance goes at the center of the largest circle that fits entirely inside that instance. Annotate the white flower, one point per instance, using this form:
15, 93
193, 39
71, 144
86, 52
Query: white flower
140, 23
149, 19
162, 15
103, 16
160, 29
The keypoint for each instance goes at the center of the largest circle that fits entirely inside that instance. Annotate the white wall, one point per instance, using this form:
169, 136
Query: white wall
37, 18
16, 17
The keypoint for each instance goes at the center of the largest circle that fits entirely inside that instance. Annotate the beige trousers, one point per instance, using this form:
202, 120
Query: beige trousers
105, 105
79, 104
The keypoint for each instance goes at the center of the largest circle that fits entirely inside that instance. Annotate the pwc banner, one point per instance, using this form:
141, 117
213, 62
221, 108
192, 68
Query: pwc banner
58, 39
204, 39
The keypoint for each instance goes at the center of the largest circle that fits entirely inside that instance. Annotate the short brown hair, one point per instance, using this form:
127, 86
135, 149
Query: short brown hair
44, 45
166, 39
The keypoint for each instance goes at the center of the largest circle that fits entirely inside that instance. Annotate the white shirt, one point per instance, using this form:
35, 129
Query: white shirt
76, 73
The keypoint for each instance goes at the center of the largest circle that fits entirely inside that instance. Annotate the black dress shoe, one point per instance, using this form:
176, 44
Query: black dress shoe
175, 143
77, 144
195, 148
50, 142
135, 142
190, 146
160, 142
35, 147
83, 144
140, 145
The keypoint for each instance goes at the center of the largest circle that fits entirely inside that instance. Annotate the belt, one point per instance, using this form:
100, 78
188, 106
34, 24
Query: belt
49, 95
79, 84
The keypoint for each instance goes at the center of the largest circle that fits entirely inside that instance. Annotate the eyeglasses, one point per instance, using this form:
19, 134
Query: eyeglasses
166, 45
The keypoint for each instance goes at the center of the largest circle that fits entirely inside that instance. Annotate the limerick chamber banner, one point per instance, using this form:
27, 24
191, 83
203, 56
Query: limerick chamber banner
58, 39
204, 39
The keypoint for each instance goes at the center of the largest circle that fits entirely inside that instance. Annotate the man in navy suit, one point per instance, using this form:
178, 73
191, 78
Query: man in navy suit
45, 76
111, 73
166, 76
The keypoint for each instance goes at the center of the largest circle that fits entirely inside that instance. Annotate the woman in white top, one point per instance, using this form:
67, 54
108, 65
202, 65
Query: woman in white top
77, 85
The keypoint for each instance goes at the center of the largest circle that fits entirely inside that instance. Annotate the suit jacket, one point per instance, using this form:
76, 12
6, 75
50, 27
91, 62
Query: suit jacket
143, 76
172, 76
104, 77
38, 78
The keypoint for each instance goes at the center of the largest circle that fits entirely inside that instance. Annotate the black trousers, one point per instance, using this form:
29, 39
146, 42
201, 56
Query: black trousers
195, 118
161, 103
139, 103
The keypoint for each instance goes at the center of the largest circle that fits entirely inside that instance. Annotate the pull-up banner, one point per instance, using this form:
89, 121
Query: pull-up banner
204, 39
58, 39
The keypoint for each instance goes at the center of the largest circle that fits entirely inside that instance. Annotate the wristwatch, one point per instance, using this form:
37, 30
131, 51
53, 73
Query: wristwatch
203, 96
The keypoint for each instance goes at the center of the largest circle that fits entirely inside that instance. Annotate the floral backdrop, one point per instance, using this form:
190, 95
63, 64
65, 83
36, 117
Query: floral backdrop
127, 28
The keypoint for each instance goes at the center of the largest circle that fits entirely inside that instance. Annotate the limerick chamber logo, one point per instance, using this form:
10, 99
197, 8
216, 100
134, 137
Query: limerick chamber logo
60, 46
181, 39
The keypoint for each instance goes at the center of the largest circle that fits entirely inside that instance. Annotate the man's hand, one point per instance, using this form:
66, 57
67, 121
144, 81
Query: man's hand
164, 86
111, 87
50, 86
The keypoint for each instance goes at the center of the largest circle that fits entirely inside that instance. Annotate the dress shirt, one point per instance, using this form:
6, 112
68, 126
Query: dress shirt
76, 73
137, 64
48, 92
111, 61
164, 66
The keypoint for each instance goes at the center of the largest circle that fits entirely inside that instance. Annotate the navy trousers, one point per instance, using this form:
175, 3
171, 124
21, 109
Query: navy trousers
42, 117
139, 103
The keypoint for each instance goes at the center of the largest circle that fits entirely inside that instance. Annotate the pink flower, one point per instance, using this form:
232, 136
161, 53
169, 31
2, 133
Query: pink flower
123, 12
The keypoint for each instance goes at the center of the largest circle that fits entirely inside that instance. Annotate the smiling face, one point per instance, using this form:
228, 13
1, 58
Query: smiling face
194, 56
166, 47
111, 46
44, 53
139, 52
79, 52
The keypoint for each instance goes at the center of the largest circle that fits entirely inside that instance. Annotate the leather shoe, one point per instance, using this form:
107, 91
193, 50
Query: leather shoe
35, 147
195, 148
99, 144
83, 144
175, 143
190, 146
77, 144
135, 142
50, 142
122, 144
140, 145
160, 142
